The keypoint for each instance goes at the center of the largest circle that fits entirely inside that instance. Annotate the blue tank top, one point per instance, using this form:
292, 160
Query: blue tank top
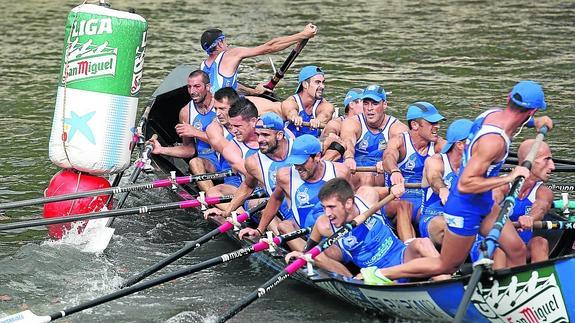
269, 169
201, 121
370, 146
431, 199
217, 80
523, 207
229, 137
372, 243
305, 204
411, 167
305, 117
480, 203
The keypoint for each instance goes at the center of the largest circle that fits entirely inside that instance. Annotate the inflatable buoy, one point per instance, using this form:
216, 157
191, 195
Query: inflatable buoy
67, 182
100, 78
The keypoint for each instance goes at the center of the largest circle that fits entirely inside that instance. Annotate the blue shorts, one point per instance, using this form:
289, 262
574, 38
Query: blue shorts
234, 181
463, 213
427, 214
213, 159
415, 197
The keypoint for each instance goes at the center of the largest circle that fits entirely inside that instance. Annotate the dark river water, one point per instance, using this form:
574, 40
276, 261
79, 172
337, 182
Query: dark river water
463, 56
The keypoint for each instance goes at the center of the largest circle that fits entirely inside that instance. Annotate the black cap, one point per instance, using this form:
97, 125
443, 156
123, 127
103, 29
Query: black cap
209, 36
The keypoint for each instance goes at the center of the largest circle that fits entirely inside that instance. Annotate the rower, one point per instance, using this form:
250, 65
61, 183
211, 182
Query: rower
470, 207
261, 167
372, 243
406, 153
533, 202
219, 133
367, 134
299, 184
332, 142
439, 173
194, 118
308, 104
223, 61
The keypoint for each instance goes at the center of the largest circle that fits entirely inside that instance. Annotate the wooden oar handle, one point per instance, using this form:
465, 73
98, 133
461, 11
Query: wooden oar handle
307, 124
549, 225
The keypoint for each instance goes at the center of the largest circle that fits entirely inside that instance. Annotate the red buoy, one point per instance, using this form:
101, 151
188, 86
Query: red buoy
71, 181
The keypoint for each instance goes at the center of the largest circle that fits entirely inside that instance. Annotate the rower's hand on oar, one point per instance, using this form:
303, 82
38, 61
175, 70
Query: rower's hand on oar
187, 130
250, 232
443, 194
397, 190
379, 167
309, 31
396, 177
543, 121
516, 172
213, 212
293, 255
350, 163
295, 119
314, 123
526, 223
156, 146
261, 89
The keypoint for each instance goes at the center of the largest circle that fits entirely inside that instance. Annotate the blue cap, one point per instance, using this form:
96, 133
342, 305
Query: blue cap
423, 110
270, 121
307, 73
352, 95
528, 94
458, 130
303, 147
375, 93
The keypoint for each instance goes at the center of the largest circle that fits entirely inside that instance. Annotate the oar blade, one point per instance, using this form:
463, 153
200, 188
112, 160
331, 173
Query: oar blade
26, 316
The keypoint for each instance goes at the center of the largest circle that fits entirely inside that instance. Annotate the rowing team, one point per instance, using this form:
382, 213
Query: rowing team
309, 185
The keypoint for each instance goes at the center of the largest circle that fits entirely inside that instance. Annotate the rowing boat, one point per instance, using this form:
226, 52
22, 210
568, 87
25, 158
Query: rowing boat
530, 293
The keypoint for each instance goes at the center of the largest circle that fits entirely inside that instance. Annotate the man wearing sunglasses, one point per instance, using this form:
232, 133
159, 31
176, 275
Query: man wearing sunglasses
223, 61
308, 104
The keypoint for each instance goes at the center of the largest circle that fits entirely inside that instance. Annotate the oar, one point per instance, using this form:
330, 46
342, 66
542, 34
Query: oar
550, 225
189, 247
28, 316
286, 65
562, 187
299, 263
555, 160
119, 189
121, 212
490, 243
558, 168
307, 124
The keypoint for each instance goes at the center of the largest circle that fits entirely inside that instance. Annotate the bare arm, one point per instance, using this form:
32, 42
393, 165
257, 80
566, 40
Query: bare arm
233, 155
342, 171
246, 188
542, 204
487, 149
186, 150
274, 202
350, 131
391, 156
235, 55
215, 136
289, 109
325, 112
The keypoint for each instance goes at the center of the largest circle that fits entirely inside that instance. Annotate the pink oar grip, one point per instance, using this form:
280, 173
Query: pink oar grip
228, 225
